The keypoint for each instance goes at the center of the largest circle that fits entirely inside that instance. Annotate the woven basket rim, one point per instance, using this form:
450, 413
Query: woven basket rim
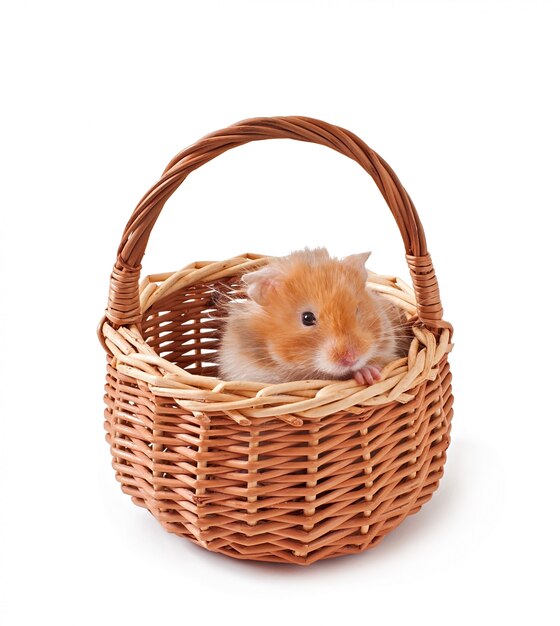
290, 402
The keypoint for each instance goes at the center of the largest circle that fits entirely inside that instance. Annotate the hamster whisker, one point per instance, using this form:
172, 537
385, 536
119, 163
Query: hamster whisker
227, 294
389, 334
395, 336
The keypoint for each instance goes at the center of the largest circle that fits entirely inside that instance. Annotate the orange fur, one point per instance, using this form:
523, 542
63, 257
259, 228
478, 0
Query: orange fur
352, 322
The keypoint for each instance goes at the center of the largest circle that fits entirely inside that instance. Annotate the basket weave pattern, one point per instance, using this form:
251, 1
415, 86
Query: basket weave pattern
294, 472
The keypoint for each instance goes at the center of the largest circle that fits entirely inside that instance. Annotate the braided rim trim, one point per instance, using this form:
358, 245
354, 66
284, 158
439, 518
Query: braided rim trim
290, 402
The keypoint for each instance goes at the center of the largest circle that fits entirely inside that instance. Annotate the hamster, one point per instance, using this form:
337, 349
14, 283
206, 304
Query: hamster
310, 316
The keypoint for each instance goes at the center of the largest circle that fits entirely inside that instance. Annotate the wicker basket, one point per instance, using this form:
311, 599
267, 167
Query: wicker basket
293, 472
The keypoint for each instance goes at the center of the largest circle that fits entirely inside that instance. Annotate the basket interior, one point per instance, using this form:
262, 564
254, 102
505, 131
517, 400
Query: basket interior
185, 326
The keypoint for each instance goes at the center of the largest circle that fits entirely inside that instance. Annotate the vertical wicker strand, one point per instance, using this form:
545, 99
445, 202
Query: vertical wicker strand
252, 470
310, 498
440, 438
312, 472
440, 413
411, 437
412, 356
157, 464
366, 456
201, 465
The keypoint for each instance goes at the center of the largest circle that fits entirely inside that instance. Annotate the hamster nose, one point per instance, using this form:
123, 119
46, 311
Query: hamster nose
348, 358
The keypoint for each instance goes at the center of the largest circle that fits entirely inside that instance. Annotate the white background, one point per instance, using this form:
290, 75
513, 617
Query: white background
461, 99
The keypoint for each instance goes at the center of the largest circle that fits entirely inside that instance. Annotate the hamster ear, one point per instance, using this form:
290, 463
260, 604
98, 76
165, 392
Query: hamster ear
358, 262
261, 284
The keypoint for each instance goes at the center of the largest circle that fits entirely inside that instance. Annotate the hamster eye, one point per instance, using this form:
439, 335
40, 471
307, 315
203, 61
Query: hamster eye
308, 318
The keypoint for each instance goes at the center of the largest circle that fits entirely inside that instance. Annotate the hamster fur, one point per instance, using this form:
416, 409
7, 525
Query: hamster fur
310, 316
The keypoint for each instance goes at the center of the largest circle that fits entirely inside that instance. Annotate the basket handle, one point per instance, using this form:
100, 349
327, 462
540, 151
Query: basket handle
124, 302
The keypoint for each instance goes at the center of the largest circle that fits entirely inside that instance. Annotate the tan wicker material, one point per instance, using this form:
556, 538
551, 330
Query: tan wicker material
292, 472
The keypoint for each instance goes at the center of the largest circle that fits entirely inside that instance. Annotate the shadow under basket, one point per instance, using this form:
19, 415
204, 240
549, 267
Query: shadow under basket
292, 472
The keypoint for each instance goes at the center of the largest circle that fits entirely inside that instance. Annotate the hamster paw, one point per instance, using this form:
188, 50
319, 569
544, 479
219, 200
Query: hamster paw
367, 375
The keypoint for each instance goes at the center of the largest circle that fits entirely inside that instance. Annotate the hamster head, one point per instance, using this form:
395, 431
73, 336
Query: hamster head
315, 314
